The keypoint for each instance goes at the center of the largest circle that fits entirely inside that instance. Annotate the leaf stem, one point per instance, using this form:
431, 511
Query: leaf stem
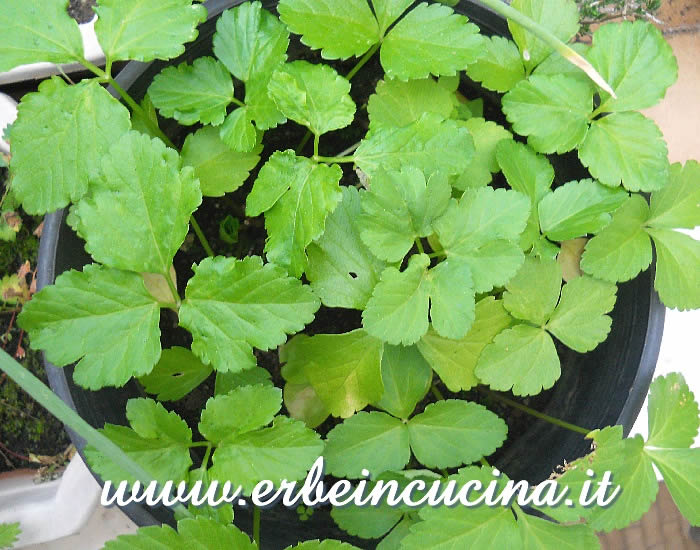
331, 160
595, 113
363, 61
317, 139
419, 246
199, 444
437, 255
202, 238
238, 102
173, 289
256, 526
207, 455
303, 142
437, 393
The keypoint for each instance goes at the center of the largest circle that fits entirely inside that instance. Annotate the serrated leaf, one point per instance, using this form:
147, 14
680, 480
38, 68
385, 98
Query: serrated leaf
626, 148
678, 204
227, 381
451, 298
127, 30
455, 360
635, 59
525, 170
175, 375
339, 30
541, 534
344, 369
328, 544
200, 92
297, 195
673, 412
487, 135
341, 270
578, 208
109, 316
32, 33
238, 131
250, 41
234, 305
241, 410
9, 533
552, 111
429, 144
52, 124
218, 169
500, 67
360, 442
399, 208
677, 269
388, 11
406, 378
126, 203
621, 250
681, 468
534, 292
430, 39
286, 450
453, 432
522, 359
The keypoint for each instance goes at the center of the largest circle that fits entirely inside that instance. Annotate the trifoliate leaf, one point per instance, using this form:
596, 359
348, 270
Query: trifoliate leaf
124, 220
341, 269
368, 522
388, 11
397, 103
500, 67
487, 135
552, 111
430, 39
400, 207
297, 195
114, 331
361, 441
621, 250
541, 534
193, 93
578, 208
637, 62
673, 412
406, 377
534, 292
626, 148
315, 96
261, 107
455, 360
678, 204
429, 144
339, 30
681, 468
677, 269
558, 17
51, 125
250, 41
522, 359
328, 544
526, 171
241, 410
452, 432
32, 33
238, 131
234, 305
219, 169
175, 375
344, 369
580, 320
228, 381
286, 450
9, 533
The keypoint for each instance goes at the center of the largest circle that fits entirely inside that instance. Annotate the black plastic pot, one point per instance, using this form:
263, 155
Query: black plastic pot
604, 387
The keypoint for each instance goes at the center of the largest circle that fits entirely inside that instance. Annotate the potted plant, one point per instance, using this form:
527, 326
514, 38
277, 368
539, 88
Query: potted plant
392, 255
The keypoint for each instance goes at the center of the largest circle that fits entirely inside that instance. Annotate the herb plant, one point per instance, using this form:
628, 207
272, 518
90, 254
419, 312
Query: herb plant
450, 237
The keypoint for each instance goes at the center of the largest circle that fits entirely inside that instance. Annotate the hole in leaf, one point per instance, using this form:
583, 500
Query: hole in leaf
353, 275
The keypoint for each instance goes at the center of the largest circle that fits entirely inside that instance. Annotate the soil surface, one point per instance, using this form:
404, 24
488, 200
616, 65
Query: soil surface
81, 10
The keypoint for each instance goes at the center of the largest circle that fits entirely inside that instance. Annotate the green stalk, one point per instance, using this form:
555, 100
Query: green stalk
52, 403
256, 526
331, 160
363, 61
202, 238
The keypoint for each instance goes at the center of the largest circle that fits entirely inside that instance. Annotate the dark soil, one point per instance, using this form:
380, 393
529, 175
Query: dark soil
81, 10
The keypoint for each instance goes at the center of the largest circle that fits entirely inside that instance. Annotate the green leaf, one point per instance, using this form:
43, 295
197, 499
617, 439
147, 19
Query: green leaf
128, 31
241, 410
394, 540
32, 33
534, 292
47, 174
175, 375
430, 39
328, 544
406, 378
677, 205
556, 63
635, 59
681, 468
218, 169
388, 11
526, 171
228, 381
455, 360
677, 269
344, 369
286, 450
261, 107
429, 144
451, 298
621, 250
303, 403
250, 41
238, 131
339, 30
578, 208
453, 432
580, 320
487, 135
297, 195
541, 534
109, 316
341, 269
400, 207
500, 67
552, 111
200, 92
368, 522
124, 220
315, 96
522, 359
361, 441
221, 514
234, 305
9, 533
673, 412
626, 148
